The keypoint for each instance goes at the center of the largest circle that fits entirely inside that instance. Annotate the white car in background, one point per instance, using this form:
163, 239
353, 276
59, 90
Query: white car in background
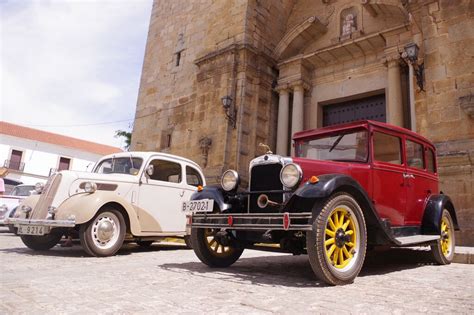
129, 196
8, 203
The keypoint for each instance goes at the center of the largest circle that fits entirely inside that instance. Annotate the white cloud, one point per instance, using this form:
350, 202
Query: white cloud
72, 63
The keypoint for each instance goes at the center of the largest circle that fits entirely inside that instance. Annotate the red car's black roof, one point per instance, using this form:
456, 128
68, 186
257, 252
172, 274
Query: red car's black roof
358, 124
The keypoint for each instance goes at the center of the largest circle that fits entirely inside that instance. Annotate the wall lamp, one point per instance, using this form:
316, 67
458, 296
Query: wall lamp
229, 109
411, 53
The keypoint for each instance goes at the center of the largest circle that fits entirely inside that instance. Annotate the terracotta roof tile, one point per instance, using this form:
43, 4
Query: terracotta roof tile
53, 138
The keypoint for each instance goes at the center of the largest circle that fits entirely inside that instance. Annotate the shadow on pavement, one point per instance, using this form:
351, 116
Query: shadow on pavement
295, 271
76, 250
284, 270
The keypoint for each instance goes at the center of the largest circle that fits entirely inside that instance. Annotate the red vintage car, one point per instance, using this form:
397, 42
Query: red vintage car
349, 187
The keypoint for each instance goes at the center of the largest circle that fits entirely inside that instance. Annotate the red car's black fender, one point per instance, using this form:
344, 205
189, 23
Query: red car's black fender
313, 196
431, 223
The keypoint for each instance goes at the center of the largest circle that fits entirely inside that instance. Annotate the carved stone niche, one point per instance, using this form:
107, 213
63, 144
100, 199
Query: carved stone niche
205, 145
467, 104
350, 24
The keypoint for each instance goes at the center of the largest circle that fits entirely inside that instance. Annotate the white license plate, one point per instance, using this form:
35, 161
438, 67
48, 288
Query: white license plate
33, 229
203, 205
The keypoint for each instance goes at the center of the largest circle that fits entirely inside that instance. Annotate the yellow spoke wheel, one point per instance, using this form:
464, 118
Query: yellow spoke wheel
443, 251
208, 249
337, 243
340, 237
214, 246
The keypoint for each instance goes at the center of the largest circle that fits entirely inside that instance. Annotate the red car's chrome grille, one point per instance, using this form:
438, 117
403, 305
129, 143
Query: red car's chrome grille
46, 199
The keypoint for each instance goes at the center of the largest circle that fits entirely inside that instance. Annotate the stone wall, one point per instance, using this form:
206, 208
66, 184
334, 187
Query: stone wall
445, 110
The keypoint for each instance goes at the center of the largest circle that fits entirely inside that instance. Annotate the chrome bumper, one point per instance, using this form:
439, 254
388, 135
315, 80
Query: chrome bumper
50, 223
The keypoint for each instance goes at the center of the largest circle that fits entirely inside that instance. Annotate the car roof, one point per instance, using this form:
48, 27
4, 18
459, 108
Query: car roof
359, 124
145, 155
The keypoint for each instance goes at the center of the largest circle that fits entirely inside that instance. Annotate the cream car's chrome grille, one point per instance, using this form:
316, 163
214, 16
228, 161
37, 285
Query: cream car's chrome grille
46, 199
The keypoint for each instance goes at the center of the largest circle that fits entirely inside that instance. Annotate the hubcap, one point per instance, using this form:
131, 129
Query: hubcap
106, 230
216, 248
340, 240
445, 237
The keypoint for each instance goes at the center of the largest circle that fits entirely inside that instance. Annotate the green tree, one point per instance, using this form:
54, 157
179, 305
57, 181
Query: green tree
125, 134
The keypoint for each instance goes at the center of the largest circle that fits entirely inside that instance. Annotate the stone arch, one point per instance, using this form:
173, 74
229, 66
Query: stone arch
297, 38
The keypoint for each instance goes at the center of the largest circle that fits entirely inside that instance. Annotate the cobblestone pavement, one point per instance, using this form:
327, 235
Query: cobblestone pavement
170, 279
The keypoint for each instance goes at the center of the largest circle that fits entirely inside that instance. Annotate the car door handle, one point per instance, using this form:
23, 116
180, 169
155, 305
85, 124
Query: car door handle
181, 193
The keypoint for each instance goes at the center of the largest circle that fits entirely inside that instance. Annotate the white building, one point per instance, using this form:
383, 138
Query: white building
31, 155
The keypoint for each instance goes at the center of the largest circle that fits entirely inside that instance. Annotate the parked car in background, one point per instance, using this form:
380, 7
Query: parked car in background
9, 203
348, 187
129, 196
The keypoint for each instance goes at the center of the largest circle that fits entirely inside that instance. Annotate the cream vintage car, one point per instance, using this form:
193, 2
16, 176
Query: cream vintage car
129, 196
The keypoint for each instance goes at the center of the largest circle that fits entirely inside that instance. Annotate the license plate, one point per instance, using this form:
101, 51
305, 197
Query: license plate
33, 229
203, 205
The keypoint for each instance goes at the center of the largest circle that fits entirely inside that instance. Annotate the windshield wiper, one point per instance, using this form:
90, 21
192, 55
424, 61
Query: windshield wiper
336, 142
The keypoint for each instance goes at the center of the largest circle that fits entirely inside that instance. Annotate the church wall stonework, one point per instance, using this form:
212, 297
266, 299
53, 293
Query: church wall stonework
315, 52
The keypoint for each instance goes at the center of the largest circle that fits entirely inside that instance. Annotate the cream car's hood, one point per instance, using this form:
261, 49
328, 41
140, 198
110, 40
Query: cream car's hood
71, 181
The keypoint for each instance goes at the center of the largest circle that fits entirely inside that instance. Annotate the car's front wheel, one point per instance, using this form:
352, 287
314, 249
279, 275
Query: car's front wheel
104, 234
337, 243
443, 250
210, 251
43, 242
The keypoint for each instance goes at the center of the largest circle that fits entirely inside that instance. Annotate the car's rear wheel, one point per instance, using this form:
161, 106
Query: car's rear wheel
104, 234
43, 242
443, 250
210, 251
337, 243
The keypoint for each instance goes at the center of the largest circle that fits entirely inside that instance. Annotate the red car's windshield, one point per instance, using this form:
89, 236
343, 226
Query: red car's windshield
345, 146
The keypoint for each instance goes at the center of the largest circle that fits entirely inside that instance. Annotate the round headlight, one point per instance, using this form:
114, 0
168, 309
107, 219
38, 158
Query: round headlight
39, 188
90, 187
291, 175
230, 180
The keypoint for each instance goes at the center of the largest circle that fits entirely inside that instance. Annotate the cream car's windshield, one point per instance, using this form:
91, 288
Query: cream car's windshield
346, 146
120, 165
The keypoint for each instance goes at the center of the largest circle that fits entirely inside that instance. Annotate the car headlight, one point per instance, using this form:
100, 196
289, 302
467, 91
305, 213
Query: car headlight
90, 187
39, 188
291, 175
230, 180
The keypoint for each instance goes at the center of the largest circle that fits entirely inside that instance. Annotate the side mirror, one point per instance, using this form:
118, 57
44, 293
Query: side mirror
150, 170
133, 171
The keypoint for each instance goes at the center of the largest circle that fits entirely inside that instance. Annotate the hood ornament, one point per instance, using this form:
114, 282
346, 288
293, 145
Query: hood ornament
266, 148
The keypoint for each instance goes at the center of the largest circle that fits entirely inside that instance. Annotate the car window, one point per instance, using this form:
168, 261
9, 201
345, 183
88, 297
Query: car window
22, 190
336, 147
166, 171
430, 161
414, 153
387, 148
121, 165
193, 177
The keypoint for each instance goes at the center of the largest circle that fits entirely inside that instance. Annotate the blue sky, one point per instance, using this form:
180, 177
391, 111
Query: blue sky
70, 66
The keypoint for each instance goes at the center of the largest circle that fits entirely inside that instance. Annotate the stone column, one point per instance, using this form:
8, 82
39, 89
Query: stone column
394, 93
297, 115
283, 117
412, 98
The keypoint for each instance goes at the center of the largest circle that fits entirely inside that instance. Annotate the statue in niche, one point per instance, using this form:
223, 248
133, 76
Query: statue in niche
349, 25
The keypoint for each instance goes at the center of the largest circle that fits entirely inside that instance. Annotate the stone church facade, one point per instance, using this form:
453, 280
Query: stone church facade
282, 66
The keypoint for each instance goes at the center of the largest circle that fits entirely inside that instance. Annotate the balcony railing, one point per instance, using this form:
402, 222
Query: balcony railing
13, 165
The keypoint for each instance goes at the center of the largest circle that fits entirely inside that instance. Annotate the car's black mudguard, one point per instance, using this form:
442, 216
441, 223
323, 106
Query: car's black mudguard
313, 196
434, 211
212, 192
